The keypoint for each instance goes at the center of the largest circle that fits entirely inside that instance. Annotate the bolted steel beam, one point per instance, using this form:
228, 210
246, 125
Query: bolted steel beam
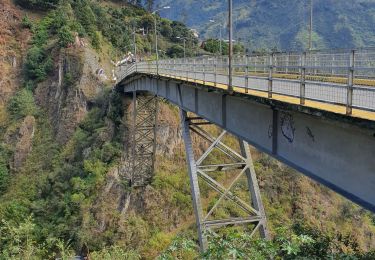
241, 167
140, 158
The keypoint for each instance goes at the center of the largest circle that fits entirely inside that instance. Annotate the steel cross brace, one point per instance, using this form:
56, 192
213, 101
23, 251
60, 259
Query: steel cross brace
198, 169
141, 155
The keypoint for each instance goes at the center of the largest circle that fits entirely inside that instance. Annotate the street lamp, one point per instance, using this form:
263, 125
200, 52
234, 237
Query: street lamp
230, 28
311, 24
156, 36
184, 39
135, 44
221, 37
135, 41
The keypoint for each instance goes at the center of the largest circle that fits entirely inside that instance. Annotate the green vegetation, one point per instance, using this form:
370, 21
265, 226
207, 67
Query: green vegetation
38, 4
213, 46
22, 104
4, 171
285, 245
38, 64
54, 184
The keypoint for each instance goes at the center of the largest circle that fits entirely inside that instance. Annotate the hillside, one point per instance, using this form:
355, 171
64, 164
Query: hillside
282, 24
63, 136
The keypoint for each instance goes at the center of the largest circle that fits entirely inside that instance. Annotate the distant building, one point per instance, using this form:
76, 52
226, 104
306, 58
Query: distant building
195, 33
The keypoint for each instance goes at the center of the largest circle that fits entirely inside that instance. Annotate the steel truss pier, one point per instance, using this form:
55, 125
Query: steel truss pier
140, 153
239, 170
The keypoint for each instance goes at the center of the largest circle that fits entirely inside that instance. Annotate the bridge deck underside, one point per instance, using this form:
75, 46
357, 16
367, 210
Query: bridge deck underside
337, 154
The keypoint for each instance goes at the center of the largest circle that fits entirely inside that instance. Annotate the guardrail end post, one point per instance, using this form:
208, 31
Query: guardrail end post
303, 79
349, 96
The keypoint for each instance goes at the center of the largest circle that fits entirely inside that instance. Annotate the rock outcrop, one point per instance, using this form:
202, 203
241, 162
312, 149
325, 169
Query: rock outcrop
13, 42
66, 96
24, 141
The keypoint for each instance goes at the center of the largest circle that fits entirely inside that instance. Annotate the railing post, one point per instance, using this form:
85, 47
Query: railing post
215, 71
287, 62
187, 66
174, 68
170, 68
302, 92
271, 56
204, 72
194, 70
349, 95
246, 74
315, 64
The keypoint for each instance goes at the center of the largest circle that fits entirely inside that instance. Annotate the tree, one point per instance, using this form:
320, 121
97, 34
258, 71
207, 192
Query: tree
65, 36
38, 4
22, 104
176, 51
149, 5
4, 176
38, 64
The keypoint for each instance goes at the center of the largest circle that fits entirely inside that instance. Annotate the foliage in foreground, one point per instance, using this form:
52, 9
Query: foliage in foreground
19, 242
285, 245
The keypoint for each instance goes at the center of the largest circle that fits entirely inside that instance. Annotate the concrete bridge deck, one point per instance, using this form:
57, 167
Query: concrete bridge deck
326, 130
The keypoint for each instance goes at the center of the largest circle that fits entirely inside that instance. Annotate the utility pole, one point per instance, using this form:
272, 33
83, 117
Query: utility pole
156, 46
230, 28
156, 36
184, 39
311, 24
135, 45
221, 40
184, 48
220, 36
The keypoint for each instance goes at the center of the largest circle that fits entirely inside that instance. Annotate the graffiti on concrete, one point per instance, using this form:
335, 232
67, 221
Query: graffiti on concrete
310, 133
287, 126
270, 131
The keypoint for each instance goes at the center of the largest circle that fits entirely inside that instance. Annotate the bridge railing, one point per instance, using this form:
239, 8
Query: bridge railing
346, 78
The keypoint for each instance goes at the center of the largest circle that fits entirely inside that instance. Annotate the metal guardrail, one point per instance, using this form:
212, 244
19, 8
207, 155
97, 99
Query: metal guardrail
345, 78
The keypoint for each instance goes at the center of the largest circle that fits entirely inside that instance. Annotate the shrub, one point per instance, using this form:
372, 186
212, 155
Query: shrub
213, 46
22, 104
26, 22
18, 241
114, 252
41, 35
38, 4
4, 177
65, 36
38, 64
96, 41
176, 51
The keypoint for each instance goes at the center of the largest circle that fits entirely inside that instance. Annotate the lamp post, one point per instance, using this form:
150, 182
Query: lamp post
220, 36
135, 45
311, 24
156, 36
184, 39
230, 28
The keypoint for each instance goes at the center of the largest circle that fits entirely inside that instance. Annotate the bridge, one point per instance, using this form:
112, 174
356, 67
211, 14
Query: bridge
314, 111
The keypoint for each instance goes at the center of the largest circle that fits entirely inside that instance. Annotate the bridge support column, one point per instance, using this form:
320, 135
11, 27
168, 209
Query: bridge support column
140, 155
238, 201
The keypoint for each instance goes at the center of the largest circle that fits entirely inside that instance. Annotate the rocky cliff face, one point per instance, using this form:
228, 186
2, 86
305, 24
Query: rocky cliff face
13, 43
68, 93
24, 141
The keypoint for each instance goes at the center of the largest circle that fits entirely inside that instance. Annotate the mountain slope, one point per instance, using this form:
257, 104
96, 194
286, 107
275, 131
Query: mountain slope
283, 23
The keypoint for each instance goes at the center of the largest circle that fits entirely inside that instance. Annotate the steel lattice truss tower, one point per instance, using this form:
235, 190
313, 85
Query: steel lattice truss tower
141, 144
238, 201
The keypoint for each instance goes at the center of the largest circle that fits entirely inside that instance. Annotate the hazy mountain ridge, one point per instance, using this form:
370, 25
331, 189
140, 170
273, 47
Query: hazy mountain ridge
282, 23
